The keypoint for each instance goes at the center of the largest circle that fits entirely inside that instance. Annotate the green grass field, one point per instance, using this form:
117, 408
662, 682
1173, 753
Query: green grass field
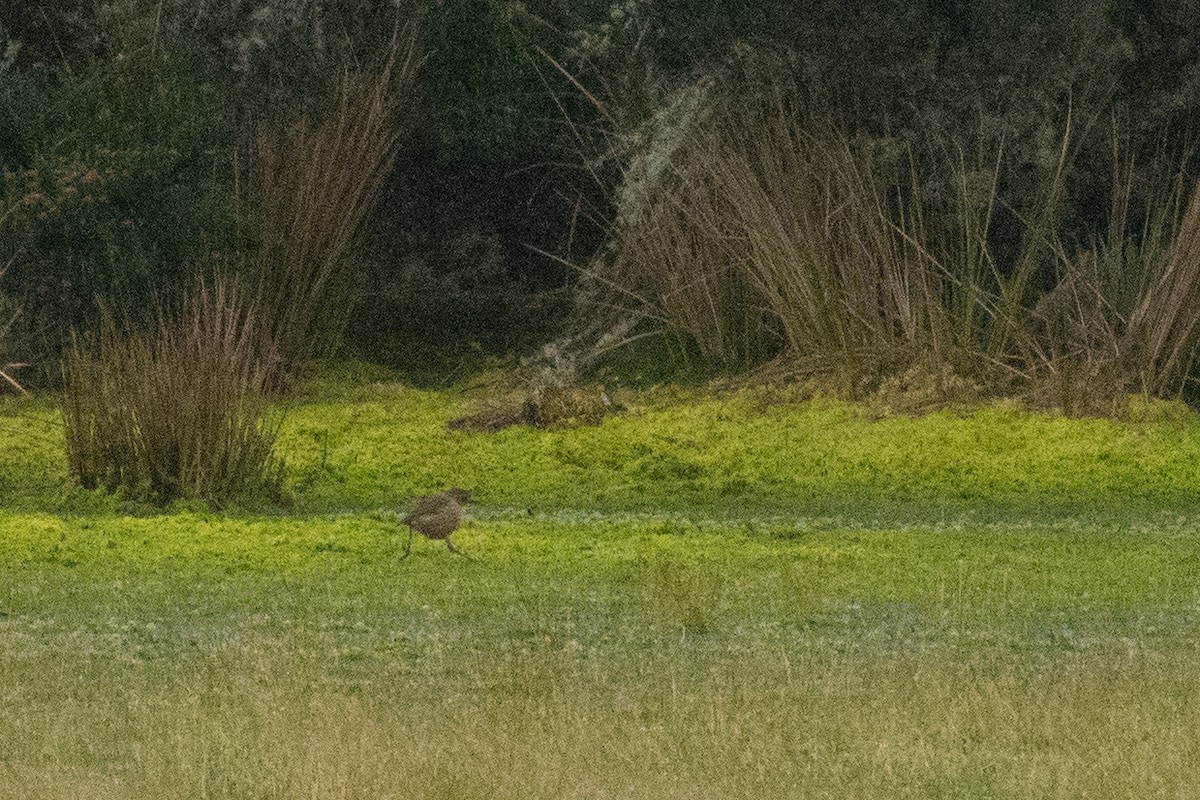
702, 599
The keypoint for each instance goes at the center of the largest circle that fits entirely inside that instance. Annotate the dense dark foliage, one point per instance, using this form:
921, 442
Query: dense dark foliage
119, 125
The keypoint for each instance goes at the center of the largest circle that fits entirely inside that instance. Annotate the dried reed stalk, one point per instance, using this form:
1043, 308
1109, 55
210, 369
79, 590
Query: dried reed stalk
175, 411
1163, 335
314, 188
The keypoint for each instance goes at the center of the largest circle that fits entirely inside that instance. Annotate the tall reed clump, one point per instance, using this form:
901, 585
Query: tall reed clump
177, 410
1124, 314
670, 254
9, 313
1161, 343
820, 245
768, 232
312, 189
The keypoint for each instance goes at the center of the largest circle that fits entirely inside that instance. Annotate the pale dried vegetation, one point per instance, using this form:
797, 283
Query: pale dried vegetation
176, 411
311, 189
795, 725
765, 229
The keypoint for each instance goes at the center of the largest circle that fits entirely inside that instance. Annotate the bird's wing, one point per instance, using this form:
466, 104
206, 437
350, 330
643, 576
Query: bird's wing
424, 506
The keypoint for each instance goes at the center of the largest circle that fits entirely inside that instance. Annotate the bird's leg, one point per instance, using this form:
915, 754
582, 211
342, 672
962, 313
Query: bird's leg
408, 546
456, 551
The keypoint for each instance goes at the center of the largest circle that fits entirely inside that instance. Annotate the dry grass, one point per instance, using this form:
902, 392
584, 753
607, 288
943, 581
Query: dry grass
770, 232
9, 313
174, 412
755, 226
781, 724
1124, 315
1163, 334
312, 189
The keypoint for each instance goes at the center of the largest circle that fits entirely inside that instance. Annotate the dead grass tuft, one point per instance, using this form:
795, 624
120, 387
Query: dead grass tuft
312, 189
176, 411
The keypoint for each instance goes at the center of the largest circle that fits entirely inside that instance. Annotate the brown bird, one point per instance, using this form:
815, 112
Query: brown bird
436, 517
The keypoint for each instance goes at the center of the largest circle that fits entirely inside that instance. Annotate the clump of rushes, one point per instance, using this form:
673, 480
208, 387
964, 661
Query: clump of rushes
312, 188
176, 411
767, 233
1162, 340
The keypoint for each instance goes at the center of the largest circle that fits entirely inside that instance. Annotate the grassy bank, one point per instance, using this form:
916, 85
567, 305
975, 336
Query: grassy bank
995, 605
374, 446
737, 453
201, 656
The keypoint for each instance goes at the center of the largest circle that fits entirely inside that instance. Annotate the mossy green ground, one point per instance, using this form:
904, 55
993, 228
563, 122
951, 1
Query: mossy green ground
704, 598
